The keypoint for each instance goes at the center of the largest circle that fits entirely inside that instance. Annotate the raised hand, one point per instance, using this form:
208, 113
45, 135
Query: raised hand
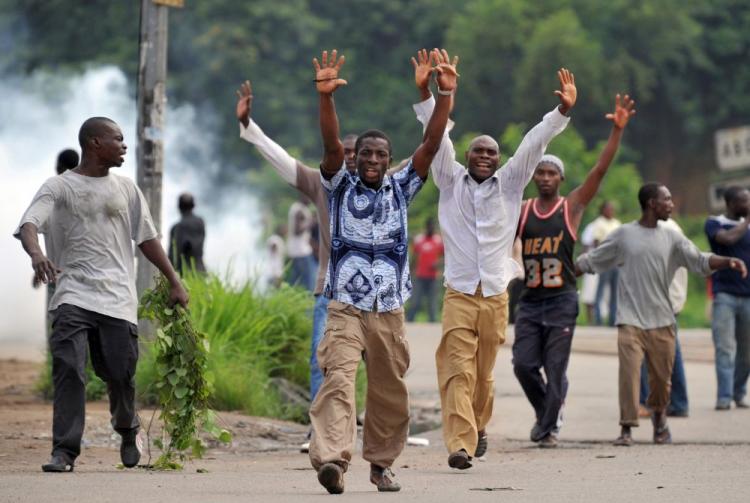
568, 92
623, 111
423, 68
447, 76
244, 103
327, 72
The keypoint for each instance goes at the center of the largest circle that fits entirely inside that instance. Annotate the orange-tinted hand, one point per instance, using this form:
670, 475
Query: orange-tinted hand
623, 111
568, 93
327, 72
244, 102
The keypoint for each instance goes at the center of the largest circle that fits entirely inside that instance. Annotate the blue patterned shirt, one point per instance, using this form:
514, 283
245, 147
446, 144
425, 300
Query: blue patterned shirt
369, 264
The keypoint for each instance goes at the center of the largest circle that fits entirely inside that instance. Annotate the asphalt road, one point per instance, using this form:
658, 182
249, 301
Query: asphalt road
710, 458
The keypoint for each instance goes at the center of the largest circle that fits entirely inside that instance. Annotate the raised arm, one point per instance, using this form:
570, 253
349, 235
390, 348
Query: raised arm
447, 80
580, 197
280, 160
444, 163
327, 81
518, 171
729, 237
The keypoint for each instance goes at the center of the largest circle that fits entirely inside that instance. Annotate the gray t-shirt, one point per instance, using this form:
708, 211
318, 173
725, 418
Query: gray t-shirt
89, 225
647, 258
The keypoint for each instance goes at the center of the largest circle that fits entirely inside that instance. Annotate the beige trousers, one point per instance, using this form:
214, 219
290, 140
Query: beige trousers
351, 335
658, 346
473, 330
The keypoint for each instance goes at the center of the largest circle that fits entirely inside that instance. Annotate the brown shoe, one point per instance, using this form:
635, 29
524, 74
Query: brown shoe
481, 444
661, 430
331, 476
459, 460
548, 442
625, 439
383, 479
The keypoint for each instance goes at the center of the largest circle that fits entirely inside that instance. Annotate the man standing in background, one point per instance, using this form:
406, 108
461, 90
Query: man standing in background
428, 248
186, 237
730, 324
298, 247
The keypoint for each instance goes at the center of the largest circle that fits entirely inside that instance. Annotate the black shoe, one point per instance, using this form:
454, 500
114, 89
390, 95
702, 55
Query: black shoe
384, 479
57, 463
130, 449
536, 433
331, 476
742, 404
677, 413
481, 444
459, 460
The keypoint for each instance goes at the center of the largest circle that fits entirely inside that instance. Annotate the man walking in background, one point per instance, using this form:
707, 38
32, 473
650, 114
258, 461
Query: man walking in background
548, 308
307, 181
428, 248
94, 218
602, 226
730, 323
648, 254
186, 237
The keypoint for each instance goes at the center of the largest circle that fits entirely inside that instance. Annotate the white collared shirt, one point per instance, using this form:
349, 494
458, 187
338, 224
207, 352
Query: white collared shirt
478, 221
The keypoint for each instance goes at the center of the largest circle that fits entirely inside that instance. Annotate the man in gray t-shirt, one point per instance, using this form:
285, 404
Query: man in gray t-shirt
90, 219
648, 255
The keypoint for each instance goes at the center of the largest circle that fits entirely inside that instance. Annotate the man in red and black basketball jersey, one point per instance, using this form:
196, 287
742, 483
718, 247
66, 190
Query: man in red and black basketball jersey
549, 302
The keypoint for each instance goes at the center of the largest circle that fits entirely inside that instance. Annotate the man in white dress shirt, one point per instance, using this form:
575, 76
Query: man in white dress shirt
479, 210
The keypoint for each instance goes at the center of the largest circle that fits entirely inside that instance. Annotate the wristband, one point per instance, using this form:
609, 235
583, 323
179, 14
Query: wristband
444, 93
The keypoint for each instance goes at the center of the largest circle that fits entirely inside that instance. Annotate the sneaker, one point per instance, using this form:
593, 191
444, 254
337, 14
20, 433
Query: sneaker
723, 405
131, 449
548, 442
304, 448
459, 460
331, 476
57, 463
625, 439
742, 404
383, 479
481, 444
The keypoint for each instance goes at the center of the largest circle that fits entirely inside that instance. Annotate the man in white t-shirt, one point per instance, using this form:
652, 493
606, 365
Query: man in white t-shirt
602, 226
90, 219
298, 248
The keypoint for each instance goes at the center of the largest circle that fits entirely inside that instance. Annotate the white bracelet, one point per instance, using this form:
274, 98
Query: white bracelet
444, 93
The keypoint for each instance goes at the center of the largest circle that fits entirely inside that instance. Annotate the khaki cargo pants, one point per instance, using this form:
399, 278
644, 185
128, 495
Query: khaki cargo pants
350, 336
473, 330
658, 346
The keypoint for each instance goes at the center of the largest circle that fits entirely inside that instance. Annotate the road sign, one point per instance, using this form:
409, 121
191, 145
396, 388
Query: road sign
733, 148
171, 3
716, 191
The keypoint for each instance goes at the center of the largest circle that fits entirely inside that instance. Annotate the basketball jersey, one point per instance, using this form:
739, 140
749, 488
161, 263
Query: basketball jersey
547, 243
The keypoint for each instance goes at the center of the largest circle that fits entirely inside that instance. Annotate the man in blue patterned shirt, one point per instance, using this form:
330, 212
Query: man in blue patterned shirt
368, 283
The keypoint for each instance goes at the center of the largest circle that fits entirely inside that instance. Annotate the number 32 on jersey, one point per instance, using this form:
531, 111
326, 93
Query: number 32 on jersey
547, 273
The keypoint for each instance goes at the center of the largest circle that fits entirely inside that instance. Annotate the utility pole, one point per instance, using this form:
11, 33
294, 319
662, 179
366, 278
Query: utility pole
152, 99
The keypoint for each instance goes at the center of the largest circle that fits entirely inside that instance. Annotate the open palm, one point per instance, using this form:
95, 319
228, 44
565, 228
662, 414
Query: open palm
623, 111
327, 72
568, 93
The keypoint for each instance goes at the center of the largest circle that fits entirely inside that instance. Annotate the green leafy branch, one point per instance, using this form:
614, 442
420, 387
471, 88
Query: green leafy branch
183, 382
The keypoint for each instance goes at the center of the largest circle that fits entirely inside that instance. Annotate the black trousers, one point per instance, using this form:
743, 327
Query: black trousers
544, 333
113, 344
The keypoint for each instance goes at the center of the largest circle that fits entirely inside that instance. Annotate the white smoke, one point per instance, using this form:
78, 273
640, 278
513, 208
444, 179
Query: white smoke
40, 116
